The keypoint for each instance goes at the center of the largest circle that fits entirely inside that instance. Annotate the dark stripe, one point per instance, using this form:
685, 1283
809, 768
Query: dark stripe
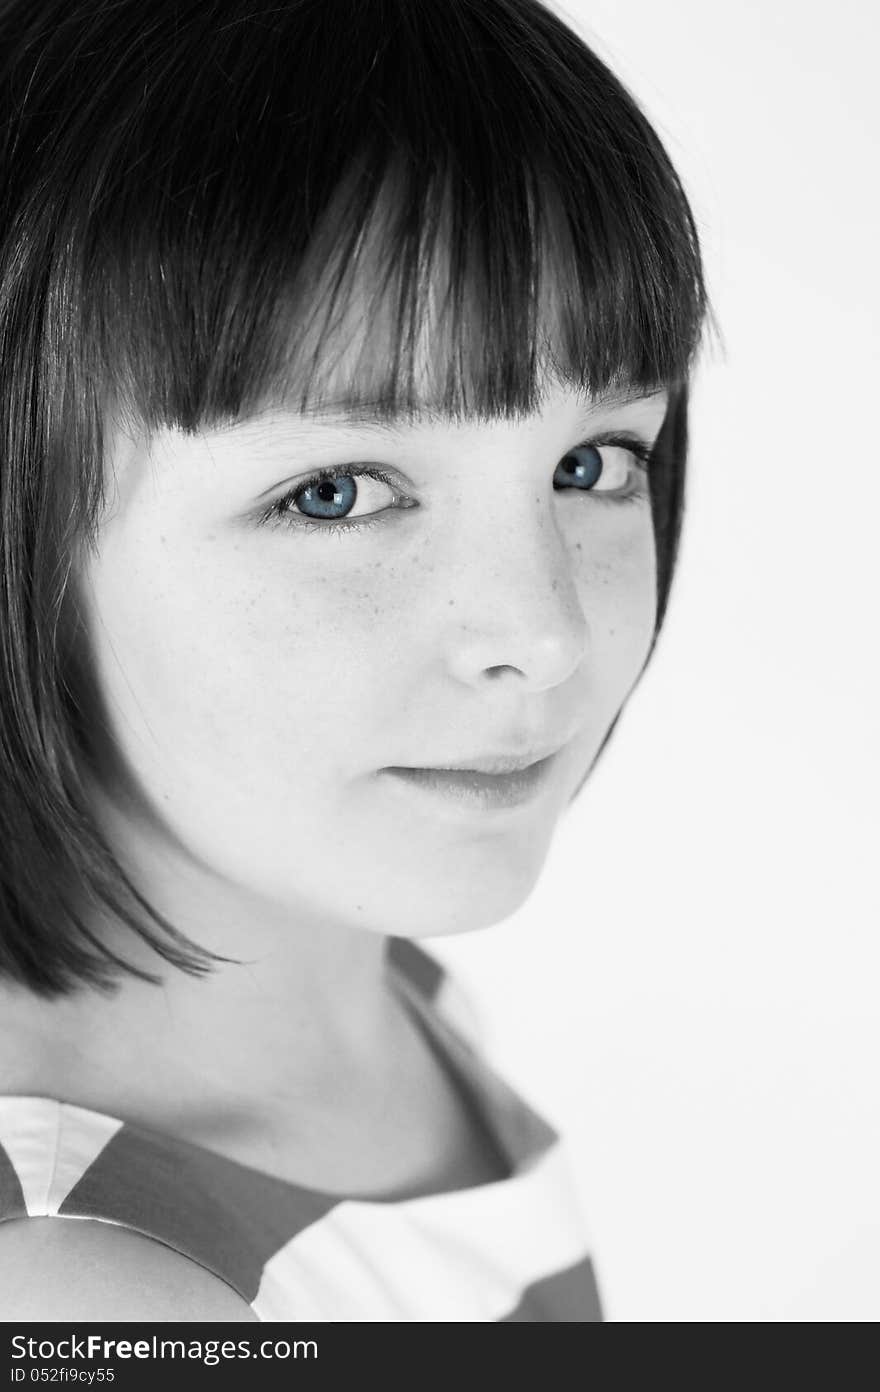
226, 1216
425, 973
570, 1295
12, 1204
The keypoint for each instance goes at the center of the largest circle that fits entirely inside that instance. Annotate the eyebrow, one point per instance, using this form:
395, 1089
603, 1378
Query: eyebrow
380, 419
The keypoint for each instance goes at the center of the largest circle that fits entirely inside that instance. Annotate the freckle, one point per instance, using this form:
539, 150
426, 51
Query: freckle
451, 602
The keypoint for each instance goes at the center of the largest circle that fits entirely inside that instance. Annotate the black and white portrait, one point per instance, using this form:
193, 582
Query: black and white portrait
438, 662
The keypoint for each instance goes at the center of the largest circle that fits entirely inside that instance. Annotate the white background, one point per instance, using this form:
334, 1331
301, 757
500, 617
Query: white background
692, 991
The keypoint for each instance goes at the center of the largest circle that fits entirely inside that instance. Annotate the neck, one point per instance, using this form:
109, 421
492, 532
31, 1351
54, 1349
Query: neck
308, 1014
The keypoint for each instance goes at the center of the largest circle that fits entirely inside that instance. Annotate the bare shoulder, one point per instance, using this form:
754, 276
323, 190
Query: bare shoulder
83, 1269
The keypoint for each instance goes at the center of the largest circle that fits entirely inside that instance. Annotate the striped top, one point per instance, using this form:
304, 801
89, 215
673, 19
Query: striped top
509, 1249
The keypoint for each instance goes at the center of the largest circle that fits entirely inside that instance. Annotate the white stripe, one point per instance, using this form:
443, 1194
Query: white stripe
51, 1145
462, 1256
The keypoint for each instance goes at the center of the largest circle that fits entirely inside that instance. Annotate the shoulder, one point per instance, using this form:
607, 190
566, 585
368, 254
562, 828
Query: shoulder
84, 1269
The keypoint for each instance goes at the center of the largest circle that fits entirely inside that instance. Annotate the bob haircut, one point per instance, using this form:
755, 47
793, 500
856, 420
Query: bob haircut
188, 195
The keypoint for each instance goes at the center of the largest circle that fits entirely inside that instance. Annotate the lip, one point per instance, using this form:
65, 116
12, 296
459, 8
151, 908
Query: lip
497, 763
476, 789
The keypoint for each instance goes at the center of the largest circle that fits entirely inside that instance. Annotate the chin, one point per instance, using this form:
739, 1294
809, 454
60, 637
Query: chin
452, 914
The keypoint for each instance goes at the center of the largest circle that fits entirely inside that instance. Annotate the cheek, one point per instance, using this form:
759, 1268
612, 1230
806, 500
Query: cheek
238, 669
614, 562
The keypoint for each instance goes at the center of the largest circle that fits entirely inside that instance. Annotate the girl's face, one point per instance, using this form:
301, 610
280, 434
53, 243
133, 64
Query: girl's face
262, 672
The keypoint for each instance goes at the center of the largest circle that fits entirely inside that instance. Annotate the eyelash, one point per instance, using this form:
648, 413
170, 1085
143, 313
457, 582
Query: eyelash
278, 513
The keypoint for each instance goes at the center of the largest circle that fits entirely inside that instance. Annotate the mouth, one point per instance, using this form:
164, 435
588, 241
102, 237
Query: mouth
515, 786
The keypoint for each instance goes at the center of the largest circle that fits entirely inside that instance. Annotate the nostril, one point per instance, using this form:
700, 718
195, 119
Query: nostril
495, 672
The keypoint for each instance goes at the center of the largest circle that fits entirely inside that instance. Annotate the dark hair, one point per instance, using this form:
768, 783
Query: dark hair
187, 194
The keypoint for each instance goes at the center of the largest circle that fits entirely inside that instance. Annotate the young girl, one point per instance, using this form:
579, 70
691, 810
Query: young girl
345, 356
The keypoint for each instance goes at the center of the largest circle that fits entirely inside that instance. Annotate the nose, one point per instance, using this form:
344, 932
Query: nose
518, 618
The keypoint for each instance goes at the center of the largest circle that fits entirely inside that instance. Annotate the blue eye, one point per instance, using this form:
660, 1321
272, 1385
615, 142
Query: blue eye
324, 497
583, 469
324, 502
583, 465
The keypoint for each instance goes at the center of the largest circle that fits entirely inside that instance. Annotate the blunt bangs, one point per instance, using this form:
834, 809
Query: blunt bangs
406, 207
472, 163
